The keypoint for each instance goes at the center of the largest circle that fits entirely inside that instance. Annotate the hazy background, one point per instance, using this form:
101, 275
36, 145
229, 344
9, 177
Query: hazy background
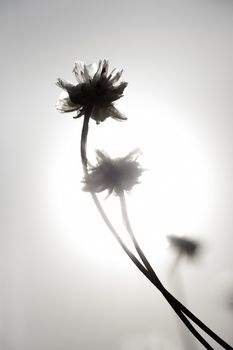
65, 284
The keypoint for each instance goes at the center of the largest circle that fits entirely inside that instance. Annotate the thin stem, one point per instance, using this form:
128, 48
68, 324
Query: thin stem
166, 294
198, 322
177, 280
156, 281
190, 327
178, 307
176, 263
94, 197
84, 139
130, 231
116, 235
145, 272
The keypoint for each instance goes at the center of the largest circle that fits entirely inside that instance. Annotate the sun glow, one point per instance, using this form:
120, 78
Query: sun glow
174, 195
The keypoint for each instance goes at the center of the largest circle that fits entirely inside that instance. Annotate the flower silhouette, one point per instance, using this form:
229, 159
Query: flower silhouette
115, 175
95, 91
184, 246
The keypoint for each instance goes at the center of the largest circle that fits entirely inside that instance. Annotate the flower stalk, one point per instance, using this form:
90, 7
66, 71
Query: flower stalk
84, 139
94, 97
148, 271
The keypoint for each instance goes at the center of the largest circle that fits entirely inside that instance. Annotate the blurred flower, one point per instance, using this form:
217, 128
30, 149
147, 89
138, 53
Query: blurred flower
95, 91
230, 301
184, 246
115, 175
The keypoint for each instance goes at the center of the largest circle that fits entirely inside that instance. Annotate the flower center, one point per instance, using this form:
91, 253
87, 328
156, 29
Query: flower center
94, 94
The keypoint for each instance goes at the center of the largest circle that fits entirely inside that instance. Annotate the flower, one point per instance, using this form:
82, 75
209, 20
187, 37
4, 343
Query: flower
115, 175
95, 91
230, 301
184, 246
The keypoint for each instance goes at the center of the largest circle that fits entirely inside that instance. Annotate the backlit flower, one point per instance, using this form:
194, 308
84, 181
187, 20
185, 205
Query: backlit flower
114, 175
184, 246
95, 91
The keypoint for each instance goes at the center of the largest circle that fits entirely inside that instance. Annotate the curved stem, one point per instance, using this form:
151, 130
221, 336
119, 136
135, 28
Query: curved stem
116, 235
145, 272
156, 281
132, 236
96, 200
198, 322
178, 307
190, 327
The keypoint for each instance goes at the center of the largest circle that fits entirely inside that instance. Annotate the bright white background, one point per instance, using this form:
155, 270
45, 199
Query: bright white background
65, 283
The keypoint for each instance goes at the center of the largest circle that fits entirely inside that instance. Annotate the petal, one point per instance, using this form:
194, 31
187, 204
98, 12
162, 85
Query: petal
100, 114
89, 71
64, 84
80, 113
104, 70
115, 114
111, 74
92, 69
133, 155
98, 71
64, 103
65, 108
93, 187
114, 79
94, 182
78, 71
119, 89
102, 155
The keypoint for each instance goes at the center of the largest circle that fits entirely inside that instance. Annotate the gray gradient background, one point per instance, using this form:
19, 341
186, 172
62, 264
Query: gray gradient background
176, 55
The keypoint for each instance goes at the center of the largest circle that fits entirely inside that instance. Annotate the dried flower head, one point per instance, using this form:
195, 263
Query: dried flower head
184, 246
115, 175
95, 91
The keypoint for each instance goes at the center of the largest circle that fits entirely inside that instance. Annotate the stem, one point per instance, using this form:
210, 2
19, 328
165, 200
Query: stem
178, 307
116, 235
176, 263
190, 327
95, 198
156, 281
145, 272
126, 221
87, 116
177, 281
198, 322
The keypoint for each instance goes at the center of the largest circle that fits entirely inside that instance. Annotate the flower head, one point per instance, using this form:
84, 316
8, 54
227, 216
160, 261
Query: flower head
230, 301
184, 246
115, 175
95, 91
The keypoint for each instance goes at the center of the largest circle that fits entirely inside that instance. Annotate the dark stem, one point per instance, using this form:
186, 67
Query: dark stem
87, 116
132, 236
190, 327
95, 198
151, 275
145, 272
177, 280
126, 221
178, 307
198, 322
